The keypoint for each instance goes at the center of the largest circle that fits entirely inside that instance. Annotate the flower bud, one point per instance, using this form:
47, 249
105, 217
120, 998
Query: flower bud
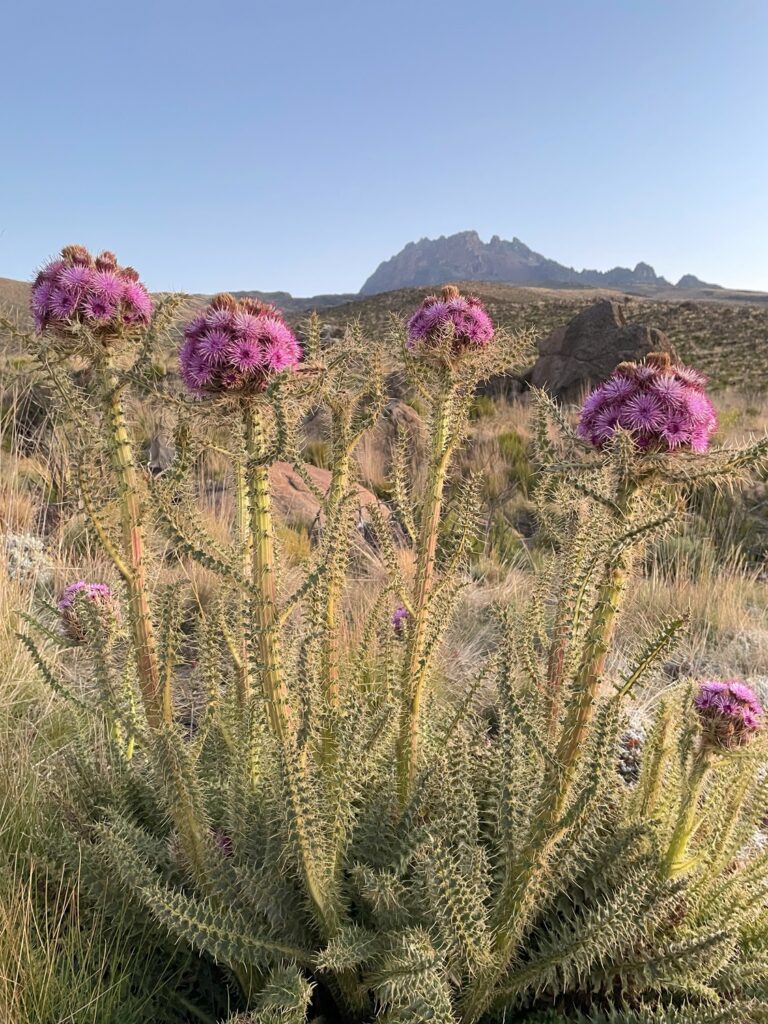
399, 620
729, 712
75, 620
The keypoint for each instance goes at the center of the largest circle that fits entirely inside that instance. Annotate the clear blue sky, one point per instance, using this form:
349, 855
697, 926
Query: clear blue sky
295, 145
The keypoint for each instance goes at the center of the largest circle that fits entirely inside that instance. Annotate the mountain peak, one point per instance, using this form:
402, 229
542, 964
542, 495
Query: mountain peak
464, 256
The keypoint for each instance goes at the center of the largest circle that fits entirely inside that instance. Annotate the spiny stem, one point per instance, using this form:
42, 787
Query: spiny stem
655, 776
245, 541
417, 661
674, 862
263, 594
266, 621
556, 667
156, 698
599, 638
336, 492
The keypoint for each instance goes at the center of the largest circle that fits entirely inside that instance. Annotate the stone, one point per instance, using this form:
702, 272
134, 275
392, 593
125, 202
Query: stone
588, 349
296, 504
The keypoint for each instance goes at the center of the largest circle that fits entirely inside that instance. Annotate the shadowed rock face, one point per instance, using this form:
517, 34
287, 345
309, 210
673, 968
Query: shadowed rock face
589, 348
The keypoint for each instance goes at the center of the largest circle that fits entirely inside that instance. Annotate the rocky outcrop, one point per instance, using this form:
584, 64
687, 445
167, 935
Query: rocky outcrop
589, 348
689, 282
465, 257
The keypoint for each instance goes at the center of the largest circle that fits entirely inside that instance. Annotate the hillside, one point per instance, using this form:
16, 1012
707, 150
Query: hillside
723, 333
465, 257
728, 340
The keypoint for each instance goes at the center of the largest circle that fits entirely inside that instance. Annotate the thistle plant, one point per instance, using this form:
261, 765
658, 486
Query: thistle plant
626, 495
96, 309
234, 349
333, 835
449, 348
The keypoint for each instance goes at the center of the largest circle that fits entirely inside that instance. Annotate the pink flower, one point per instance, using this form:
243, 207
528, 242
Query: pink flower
77, 278
63, 303
452, 314
400, 617
279, 344
676, 432
96, 294
219, 317
663, 406
107, 285
669, 389
618, 388
246, 325
99, 308
236, 347
246, 355
643, 412
90, 591
213, 345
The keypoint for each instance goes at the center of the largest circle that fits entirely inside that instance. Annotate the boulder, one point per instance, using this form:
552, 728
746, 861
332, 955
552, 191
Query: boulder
296, 504
590, 347
377, 446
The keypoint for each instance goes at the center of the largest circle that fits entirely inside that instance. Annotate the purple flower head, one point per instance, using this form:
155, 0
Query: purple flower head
77, 277
246, 355
90, 591
662, 405
676, 431
620, 388
247, 325
644, 413
235, 347
400, 617
99, 596
77, 290
730, 713
466, 317
63, 303
99, 309
136, 302
108, 285
279, 344
214, 345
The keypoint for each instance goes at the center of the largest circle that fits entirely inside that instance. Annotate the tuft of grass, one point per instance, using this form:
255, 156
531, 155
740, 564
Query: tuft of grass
514, 451
317, 453
482, 408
